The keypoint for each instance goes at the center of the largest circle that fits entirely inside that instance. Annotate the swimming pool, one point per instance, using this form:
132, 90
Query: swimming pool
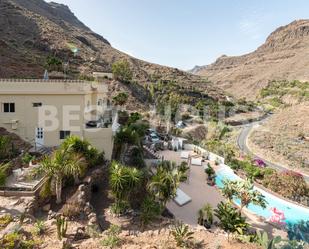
293, 213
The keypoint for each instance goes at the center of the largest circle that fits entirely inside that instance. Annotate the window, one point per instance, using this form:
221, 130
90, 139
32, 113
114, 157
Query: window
38, 104
100, 102
8, 107
64, 134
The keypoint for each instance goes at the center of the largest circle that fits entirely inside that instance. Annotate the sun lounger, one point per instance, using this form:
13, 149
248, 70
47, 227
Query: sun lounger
181, 198
184, 154
196, 161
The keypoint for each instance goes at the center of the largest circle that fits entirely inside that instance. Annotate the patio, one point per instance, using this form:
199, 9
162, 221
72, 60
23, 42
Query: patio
196, 187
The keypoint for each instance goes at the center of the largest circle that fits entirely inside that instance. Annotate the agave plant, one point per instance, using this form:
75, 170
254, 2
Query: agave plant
182, 235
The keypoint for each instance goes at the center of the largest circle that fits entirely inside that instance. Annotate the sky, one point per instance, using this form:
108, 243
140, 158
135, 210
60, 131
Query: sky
185, 33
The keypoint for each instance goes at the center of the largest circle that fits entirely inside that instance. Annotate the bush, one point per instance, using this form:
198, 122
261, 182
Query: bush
288, 184
230, 219
27, 158
17, 240
299, 231
5, 220
205, 216
149, 211
72, 210
112, 240
122, 71
83, 147
39, 227
4, 168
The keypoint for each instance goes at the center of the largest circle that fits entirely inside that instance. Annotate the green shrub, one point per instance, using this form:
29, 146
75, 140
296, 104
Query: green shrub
4, 168
182, 235
5, 220
83, 147
149, 211
287, 183
112, 240
122, 71
230, 219
205, 216
39, 227
27, 158
16, 240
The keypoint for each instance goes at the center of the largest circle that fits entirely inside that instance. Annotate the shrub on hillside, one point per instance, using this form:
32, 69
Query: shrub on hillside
289, 184
122, 71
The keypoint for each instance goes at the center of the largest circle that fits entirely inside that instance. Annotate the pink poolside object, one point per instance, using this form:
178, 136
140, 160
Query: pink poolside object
277, 216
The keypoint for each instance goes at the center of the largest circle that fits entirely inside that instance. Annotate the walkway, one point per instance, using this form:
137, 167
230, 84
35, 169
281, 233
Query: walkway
196, 187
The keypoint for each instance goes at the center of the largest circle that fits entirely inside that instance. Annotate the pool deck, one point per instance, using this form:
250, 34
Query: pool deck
196, 187
201, 193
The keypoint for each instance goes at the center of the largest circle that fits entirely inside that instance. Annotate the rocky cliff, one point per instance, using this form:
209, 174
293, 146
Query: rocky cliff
284, 56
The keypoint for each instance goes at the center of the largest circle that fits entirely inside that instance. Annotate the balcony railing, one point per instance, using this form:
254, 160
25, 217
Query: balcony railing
43, 80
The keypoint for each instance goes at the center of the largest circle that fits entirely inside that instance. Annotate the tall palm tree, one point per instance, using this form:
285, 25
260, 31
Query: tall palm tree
123, 180
61, 164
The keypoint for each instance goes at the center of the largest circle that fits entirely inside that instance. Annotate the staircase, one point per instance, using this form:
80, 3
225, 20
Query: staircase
154, 154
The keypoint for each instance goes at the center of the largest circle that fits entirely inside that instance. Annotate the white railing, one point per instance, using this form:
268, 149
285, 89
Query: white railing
43, 80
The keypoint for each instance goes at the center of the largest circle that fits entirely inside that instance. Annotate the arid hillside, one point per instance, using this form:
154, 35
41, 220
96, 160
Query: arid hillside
32, 30
284, 56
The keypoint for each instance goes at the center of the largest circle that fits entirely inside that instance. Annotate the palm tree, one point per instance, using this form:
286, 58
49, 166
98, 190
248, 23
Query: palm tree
123, 180
61, 164
164, 183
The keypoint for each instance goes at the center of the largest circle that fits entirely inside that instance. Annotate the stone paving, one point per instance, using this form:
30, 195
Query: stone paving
196, 187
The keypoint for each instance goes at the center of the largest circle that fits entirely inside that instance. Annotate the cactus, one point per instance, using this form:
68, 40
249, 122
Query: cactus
62, 226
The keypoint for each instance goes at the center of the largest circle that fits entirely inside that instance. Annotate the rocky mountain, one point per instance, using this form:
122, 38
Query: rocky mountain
284, 56
32, 30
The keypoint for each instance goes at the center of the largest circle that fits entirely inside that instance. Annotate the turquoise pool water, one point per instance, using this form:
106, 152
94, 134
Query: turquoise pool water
293, 213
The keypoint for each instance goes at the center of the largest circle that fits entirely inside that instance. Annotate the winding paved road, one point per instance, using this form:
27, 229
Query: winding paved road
242, 144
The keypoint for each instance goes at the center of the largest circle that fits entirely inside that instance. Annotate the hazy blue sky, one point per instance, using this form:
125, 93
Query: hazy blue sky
185, 33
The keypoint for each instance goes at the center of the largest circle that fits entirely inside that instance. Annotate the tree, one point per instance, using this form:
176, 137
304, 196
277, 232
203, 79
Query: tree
228, 190
164, 183
75, 144
120, 99
123, 181
53, 63
122, 71
61, 164
243, 190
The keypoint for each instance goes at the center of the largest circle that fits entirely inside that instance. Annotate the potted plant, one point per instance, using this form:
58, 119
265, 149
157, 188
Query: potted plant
211, 175
205, 216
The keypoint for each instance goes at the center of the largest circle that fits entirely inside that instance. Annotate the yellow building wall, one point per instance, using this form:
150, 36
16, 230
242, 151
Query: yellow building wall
24, 94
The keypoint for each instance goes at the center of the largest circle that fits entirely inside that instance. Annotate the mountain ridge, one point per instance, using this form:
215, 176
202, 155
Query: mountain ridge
32, 30
283, 56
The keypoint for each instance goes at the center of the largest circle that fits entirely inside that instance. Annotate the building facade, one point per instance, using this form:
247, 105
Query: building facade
45, 112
